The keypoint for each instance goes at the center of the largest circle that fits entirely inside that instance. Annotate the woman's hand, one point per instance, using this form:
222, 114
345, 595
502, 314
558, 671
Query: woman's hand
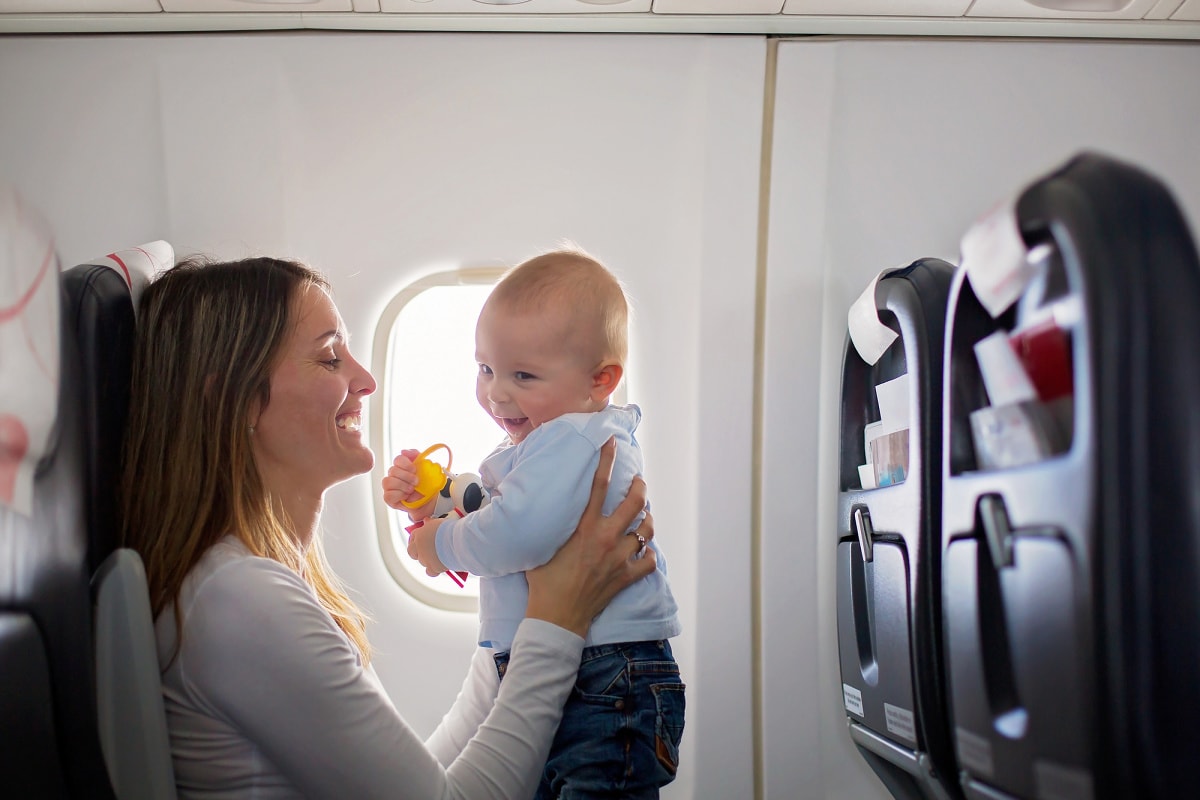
598, 560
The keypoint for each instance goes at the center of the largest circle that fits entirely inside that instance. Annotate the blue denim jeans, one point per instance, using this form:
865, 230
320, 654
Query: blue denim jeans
621, 727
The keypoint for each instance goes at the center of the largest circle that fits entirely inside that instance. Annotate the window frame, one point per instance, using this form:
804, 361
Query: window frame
381, 357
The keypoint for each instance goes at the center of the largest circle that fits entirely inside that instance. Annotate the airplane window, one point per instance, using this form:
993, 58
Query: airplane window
424, 359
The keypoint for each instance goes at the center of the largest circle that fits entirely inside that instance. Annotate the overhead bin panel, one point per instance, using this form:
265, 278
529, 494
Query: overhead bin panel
1190, 10
717, 6
1163, 9
257, 6
1062, 9
882, 8
76, 6
1109, 19
526, 7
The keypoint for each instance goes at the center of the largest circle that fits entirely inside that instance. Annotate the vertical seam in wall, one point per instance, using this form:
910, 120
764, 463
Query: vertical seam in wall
756, 452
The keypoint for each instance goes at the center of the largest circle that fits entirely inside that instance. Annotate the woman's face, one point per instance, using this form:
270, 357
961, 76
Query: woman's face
309, 436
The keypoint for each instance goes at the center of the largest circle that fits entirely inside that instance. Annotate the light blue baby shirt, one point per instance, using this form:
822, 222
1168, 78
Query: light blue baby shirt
538, 491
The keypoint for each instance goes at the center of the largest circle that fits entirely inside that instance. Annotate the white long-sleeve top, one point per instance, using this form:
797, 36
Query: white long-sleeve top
538, 490
268, 699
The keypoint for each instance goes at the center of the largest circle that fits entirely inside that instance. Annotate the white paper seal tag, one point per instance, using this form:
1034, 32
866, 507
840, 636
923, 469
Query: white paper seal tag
994, 257
867, 332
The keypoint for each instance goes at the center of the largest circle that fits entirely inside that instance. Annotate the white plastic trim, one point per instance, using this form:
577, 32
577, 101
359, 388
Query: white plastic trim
1184, 24
379, 434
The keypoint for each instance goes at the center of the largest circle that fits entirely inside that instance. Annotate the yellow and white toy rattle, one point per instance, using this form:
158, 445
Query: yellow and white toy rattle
431, 476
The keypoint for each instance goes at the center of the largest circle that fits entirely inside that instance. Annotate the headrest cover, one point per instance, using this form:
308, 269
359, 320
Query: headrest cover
138, 265
29, 331
994, 257
871, 338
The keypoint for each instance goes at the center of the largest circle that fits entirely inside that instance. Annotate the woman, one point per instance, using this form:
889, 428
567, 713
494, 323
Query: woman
246, 407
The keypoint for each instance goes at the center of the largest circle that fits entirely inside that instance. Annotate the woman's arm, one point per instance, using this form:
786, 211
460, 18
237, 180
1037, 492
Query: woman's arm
260, 657
474, 701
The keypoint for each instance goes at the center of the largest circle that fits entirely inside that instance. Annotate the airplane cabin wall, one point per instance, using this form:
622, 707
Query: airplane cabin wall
381, 158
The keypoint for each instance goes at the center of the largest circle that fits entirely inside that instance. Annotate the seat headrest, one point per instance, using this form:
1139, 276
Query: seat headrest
29, 346
138, 265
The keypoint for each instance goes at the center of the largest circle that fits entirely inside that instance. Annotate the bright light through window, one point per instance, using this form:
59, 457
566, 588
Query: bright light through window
425, 357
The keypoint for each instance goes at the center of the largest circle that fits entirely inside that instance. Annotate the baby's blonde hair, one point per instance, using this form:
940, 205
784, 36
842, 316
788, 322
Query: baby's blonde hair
570, 277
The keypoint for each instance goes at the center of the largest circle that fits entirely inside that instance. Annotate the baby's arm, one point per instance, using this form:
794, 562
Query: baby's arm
422, 547
531, 513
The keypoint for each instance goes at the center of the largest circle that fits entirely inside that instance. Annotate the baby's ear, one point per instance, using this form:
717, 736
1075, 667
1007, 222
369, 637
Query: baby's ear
605, 380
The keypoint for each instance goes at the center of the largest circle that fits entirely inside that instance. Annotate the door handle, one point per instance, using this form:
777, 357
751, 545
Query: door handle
866, 534
997, 529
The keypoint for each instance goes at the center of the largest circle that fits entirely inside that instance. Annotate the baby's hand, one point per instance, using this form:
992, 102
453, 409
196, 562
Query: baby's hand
422, 546
400, 483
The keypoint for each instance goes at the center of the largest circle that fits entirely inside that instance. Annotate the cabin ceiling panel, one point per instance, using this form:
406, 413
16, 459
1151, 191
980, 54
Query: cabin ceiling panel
1062, 9
257, 6
877, 8
1063, 19
509, 7
717, 6
77, 6
1163, 9
1190, 10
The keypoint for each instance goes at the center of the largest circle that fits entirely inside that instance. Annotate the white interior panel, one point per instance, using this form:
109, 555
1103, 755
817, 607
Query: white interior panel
894, 8
885, 152
1077, 9
76, 6
717, 6
380, 158
256, 6
1190, 10
520, 7
798, 617
1163, 9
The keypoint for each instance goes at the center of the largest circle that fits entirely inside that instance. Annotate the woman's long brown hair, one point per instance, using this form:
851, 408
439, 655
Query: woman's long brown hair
208, 336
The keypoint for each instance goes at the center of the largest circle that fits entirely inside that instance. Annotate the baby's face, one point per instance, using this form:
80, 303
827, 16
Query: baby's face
531, 369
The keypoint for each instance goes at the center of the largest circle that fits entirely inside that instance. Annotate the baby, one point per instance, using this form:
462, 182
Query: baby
551, 342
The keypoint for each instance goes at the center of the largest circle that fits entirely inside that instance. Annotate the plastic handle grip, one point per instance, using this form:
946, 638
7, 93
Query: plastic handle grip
431, 476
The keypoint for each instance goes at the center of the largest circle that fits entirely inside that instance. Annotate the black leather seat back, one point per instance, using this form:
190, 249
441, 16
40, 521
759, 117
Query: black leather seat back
50, 549
98, 313
47, 697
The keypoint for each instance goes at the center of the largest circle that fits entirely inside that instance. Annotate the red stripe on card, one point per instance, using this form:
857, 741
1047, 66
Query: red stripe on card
125, 269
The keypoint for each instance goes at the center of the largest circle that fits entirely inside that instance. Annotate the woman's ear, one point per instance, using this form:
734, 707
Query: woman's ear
605, 380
